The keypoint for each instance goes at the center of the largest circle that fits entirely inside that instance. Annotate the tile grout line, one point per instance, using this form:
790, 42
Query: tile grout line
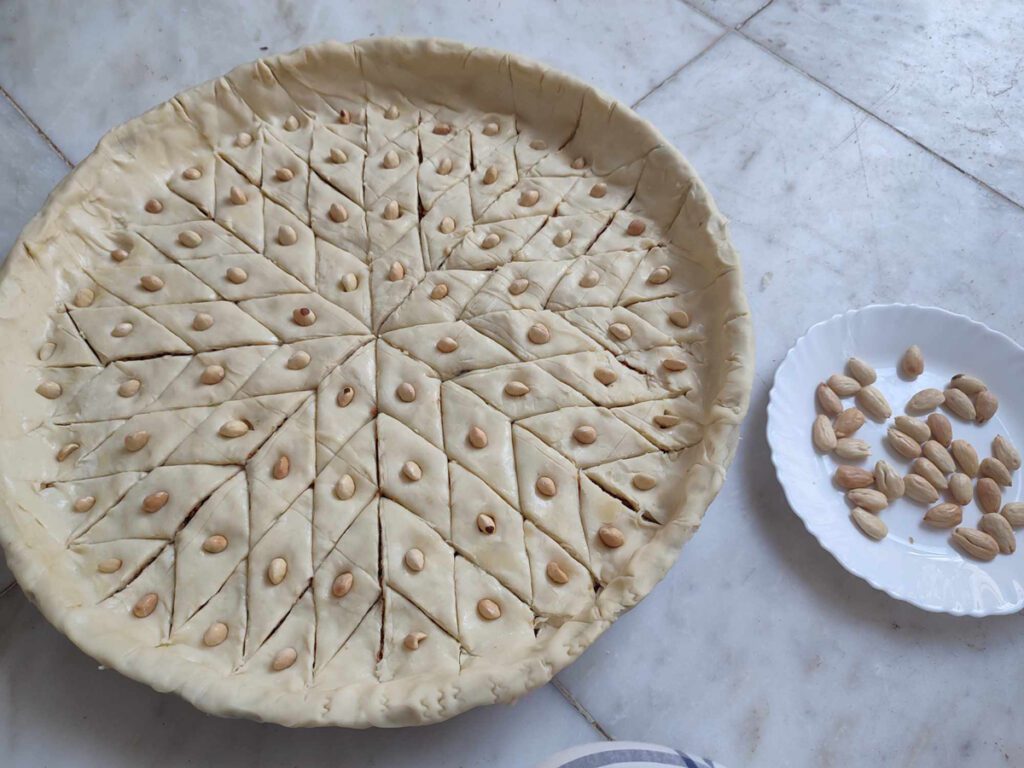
684, 65
42, 134
751, 16
575, 704
8, 589
738, 29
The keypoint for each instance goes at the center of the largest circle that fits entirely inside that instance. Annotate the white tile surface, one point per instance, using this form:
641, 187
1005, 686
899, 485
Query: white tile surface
946, 73
759, 650
29, 168
730, 12
57, 709
128, 57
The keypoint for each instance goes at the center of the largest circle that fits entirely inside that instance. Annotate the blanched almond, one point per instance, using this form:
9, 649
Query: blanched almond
939, 456
870, 525
998, 527
990, 497
941, 429
844, 386
995, 469
912, 362
959, 404
889, 481
828, 400
961, 490
966, 457
848, 477
925, 400
905, 446
985, 406
975, 543
868, 498
1014, 513
822, 434
923, 467
861, 371
920, 490
848, 422
1005, 451
914, 428
969, 385
852, 449
873, 403
944, 516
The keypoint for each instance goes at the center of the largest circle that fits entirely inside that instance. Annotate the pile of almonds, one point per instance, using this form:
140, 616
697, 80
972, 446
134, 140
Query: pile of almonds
945, 473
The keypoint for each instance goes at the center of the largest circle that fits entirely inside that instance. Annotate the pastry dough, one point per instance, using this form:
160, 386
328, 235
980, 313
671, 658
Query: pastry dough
366, 384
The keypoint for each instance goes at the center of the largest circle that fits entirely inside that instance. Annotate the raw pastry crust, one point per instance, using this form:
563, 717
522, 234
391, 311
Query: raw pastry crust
645, 236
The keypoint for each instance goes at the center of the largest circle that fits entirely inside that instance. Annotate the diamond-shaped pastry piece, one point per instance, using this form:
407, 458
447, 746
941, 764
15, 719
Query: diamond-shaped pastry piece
451, 349
614, 531
215, 634
342, 594
280, 568
562, 586
188, 240
440, 297
418, 563
653, 483
125, 332
480, 438
594, 280
287, 655
210, 547
588, 435
343, 279
564, 237
413, 644
418, 404
238, 276
212, 325
281, 469
492, 620
234, 430
489, 531
297, 316
413, 472
155, 506
110, 565
549, 492
238, 206
346, 400
148, 284
339, 162
147, 599
522, 389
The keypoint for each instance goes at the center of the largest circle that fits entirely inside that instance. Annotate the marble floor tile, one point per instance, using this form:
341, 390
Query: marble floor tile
30, 169
730, 12
160, 48
946, 73
57, 709
759, 649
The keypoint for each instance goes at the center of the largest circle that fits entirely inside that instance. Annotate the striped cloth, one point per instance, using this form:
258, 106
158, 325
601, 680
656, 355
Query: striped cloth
624, 754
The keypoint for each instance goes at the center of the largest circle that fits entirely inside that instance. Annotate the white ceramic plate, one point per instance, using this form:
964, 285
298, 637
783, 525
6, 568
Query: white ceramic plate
913, 563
